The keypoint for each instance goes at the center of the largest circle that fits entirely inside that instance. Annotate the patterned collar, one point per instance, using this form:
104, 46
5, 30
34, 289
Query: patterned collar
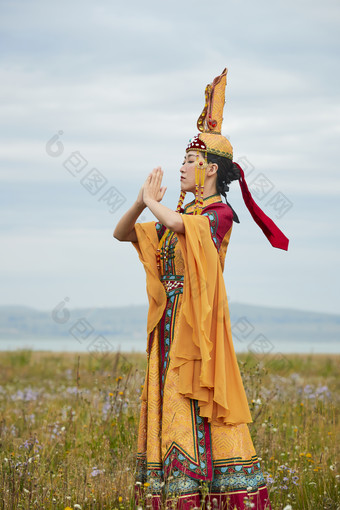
206, 201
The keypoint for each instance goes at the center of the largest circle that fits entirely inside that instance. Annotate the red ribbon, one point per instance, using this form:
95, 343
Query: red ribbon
274, 235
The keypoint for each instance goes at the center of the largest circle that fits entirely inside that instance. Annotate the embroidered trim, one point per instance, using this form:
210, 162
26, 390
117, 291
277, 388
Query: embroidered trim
229, 474
206, 201
160, 229
199, 467
213, 219
172, 285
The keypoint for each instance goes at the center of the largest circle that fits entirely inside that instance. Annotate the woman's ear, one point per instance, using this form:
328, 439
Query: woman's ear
212, 168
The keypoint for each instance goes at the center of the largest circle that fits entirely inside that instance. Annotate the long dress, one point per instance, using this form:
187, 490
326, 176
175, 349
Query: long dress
199, 449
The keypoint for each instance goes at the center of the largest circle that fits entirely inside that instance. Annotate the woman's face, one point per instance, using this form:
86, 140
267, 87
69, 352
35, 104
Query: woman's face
191, 159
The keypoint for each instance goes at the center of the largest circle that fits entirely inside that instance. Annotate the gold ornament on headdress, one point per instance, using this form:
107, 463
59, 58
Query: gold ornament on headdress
210, 121
209, 140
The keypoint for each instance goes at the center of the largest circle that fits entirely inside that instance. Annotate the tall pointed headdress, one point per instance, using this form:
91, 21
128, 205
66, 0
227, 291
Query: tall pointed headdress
210, 140
210, 121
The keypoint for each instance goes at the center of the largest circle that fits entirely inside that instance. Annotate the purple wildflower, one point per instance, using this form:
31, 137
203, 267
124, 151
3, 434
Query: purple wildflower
96, 471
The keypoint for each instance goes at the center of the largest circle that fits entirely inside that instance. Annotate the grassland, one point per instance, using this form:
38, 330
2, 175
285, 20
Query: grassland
69, 421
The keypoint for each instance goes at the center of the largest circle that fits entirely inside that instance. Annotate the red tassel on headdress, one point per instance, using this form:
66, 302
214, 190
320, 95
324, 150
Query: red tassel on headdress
270, 230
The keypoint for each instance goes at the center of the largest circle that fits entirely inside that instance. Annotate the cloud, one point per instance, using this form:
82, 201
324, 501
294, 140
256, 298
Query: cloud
125, 84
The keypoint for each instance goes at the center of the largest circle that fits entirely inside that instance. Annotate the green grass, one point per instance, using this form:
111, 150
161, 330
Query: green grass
65, 414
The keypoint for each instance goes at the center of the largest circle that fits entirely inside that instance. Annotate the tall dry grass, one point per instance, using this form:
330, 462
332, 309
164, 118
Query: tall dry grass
69, 423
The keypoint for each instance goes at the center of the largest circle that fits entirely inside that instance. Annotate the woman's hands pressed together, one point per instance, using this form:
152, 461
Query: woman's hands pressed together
151, 189
150, 194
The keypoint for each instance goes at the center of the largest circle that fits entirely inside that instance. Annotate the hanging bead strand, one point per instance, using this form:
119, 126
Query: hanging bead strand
180, 201
202, 179
196, 184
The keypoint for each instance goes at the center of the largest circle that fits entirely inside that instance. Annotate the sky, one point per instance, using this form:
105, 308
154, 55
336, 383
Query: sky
115, 89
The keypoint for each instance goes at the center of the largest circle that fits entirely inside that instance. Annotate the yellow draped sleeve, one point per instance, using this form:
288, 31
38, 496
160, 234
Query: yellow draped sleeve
146, 247
205, 355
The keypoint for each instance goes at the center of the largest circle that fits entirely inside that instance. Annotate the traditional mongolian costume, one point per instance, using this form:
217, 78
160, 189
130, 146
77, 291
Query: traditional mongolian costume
194, 443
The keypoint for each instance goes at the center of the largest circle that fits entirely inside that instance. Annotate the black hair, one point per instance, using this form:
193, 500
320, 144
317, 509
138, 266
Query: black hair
227, 172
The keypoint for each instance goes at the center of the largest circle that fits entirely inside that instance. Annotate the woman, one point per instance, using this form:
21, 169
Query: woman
194, 444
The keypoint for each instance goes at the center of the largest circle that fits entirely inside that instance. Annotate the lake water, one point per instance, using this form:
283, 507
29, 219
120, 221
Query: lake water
70, 344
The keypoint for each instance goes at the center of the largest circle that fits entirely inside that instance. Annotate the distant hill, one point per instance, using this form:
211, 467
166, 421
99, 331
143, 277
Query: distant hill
21, 321
248, 323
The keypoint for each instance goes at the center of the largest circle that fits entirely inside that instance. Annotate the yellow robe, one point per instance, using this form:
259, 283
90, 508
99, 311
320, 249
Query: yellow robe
194, 410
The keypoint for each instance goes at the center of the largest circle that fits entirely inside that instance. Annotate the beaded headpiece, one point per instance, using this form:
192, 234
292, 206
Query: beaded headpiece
210, 140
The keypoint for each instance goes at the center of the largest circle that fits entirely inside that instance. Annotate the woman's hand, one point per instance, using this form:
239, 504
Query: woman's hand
140, 200
151, 188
